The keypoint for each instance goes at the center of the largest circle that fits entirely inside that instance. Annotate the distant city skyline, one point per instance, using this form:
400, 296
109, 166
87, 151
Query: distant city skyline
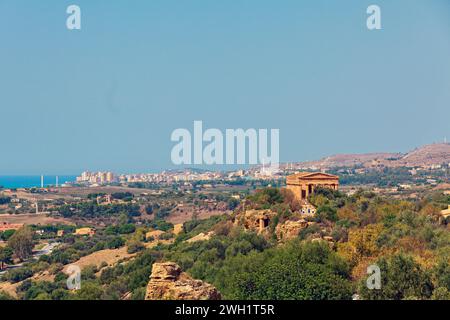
107, 97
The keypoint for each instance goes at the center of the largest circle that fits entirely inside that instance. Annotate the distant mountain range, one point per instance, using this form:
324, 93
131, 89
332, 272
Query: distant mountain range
428, 155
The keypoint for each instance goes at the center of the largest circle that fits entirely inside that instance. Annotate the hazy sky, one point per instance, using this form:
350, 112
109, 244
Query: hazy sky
108, 97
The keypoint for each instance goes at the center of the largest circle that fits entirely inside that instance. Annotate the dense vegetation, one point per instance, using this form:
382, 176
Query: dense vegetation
4, 200
93, 210
403, 238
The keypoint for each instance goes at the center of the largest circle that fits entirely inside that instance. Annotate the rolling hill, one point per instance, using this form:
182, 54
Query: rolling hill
427, 155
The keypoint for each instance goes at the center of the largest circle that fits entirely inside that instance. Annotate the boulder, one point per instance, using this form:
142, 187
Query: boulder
201, 237
290, 229
168, 282
165, 271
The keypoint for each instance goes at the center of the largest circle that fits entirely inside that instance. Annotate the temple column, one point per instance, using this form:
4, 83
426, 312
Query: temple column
307, 191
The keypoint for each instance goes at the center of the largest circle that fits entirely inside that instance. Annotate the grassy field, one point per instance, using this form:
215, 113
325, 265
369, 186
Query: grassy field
33, 219
108, 256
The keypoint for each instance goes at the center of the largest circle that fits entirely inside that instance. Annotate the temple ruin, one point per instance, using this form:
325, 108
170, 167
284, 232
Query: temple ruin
303, 184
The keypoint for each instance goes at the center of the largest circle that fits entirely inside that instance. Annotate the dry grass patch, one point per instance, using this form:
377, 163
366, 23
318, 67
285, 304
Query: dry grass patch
108, 256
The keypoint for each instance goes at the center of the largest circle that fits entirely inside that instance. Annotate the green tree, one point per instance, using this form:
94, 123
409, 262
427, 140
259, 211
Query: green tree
60, 294
5, 296
7, 234
440, 293
401, 278
327, 213
116, 243
442, 274
4, 200
266, 197
21, 243
6, 254
127, 228
19, 274
89, 291
134, 246
309, 271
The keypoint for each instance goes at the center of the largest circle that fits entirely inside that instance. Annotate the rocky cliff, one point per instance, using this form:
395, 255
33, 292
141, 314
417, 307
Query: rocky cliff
168, 282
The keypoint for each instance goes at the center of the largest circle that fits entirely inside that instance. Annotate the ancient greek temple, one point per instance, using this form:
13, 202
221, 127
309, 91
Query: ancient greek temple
303, 184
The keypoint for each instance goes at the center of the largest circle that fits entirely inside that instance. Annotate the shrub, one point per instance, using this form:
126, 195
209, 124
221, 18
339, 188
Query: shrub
401, 277
20, 274
116, 243
134, 246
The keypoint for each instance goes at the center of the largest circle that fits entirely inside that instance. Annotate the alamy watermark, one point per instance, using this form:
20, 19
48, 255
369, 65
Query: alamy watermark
74, 279
235, 146
374, 20
374, 280
73, 21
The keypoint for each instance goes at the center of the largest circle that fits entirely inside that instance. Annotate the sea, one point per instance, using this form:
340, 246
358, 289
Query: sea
14, 182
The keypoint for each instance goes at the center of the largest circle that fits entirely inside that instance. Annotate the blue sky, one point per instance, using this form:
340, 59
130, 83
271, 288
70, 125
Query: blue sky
108, 97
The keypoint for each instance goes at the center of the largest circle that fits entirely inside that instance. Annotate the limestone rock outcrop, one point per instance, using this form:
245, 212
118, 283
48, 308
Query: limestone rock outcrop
255, 220
290, 229
259, 221
201, 237
169, 282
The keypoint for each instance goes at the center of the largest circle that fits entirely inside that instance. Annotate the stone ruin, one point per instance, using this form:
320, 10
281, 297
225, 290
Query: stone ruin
290, 229
259, 221
255, 220
169, 282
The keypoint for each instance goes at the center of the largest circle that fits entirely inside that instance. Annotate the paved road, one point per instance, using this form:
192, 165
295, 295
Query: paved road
46, 250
